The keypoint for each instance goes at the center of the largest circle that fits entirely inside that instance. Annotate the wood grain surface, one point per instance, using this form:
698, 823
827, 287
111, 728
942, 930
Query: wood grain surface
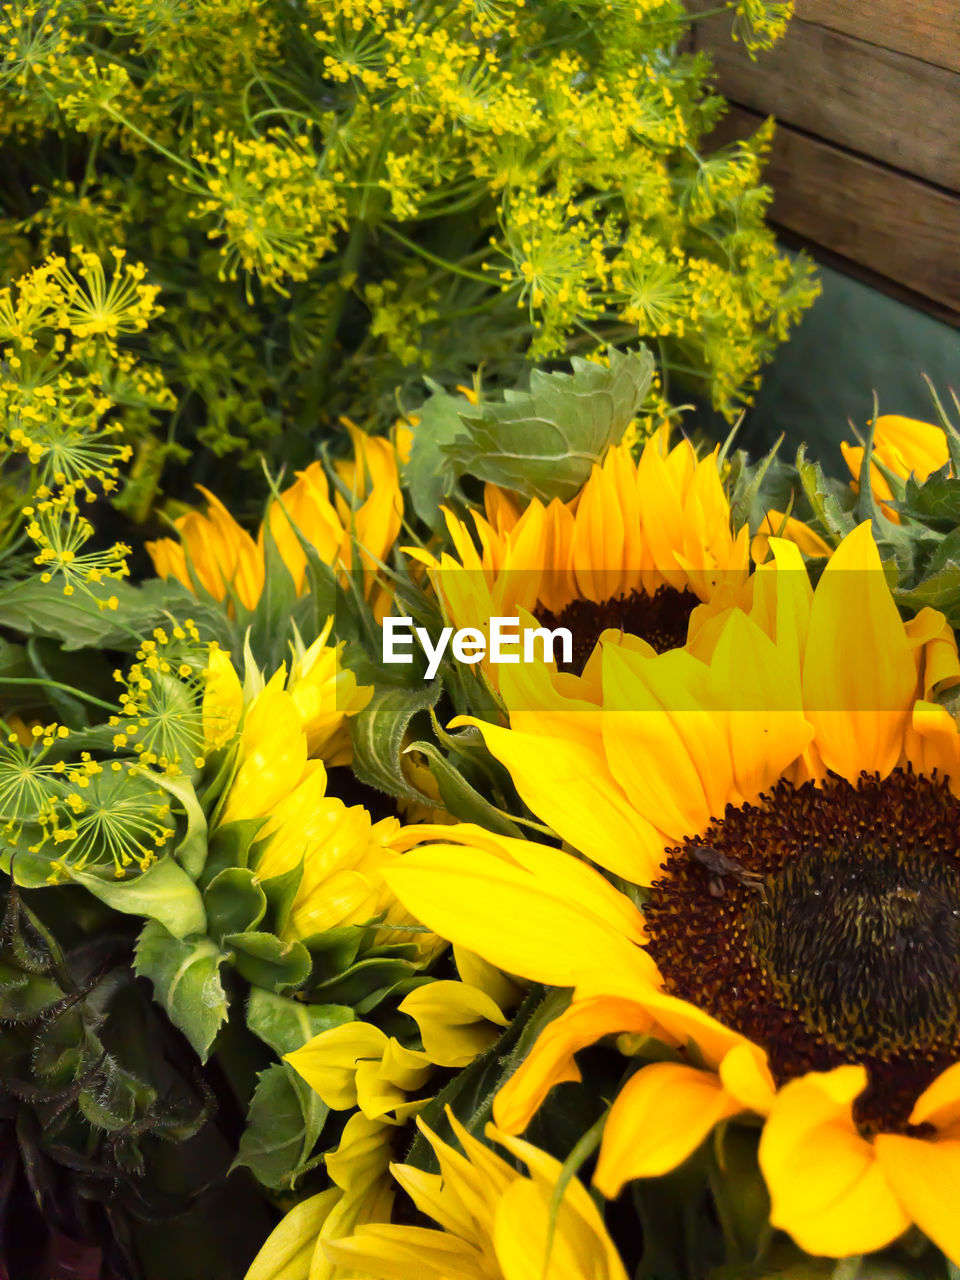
877, 102
891, 223
925, 29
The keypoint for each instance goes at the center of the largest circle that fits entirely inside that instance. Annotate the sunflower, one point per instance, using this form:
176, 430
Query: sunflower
357, 1067
273, 739
788, 793
640, 546
493, 1221
218, 555
901, 447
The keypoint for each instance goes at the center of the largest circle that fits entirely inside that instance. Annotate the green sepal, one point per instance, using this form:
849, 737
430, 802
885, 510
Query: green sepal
267, 961
286, 1025
186, 981
471, 1092
284, 1122
164, 893
230, 846
191, 852
281, 892
270, 624
377, 733
334, 950
460, 798
234, 902
826, 498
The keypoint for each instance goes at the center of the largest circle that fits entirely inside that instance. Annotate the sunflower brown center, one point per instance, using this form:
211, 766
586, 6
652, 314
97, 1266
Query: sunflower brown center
824, 923
661, 619
867, 950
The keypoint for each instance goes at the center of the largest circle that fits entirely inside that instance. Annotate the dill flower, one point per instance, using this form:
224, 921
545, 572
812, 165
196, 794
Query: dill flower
162, 703
95, 306
59, 532
112, 813
29, 779
275, 213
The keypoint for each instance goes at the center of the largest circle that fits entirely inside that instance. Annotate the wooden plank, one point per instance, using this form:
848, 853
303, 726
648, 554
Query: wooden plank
896, 109
888, 222
925, 29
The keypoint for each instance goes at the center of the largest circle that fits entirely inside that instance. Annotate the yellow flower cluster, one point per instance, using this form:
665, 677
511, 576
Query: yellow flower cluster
275, 213
61, 374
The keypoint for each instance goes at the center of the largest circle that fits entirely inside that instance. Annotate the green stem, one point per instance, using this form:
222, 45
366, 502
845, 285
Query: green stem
432, 257
66, 688
349, 267
152, 142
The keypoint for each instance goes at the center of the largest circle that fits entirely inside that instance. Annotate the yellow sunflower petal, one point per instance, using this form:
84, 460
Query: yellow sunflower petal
328, 1062
289, 1247
457, 1022
826, 1186
925, 1177
514, 920
568, 785
660, 1116
859, 675
397, 1253
551, 1061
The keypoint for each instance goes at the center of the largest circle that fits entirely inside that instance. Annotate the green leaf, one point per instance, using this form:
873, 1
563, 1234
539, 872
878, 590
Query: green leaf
377, 734
286, 1025
230, 846
164, 892
191, 852
430, 475
935, 501
463, 800
186, 982
270, 628
544, 443
283, 1124
281, 892
824, 497
234, 902
267, 961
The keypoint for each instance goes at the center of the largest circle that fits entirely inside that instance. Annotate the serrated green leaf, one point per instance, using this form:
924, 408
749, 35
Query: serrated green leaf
824, 497
431, 475
267, 961
286, 1025
934, 501
186, 982
283, 1124
377, 734
234, 902
164, 892
545, 442
79, 622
